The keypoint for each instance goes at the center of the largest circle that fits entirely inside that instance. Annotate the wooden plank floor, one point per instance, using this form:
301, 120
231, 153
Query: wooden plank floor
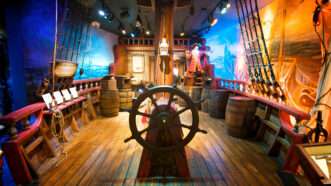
98, 156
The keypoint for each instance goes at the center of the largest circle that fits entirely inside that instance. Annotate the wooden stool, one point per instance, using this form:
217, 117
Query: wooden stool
239, 115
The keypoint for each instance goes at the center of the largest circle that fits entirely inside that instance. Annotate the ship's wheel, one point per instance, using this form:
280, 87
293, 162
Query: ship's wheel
164, 117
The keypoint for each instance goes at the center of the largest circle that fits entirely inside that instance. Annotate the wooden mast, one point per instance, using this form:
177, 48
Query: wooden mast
164, 13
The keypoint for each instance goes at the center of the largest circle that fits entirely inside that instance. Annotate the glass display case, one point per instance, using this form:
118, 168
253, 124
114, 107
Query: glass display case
315, 160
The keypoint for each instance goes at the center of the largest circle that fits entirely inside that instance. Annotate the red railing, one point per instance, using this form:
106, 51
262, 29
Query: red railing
86, 86
242, 88
20, 118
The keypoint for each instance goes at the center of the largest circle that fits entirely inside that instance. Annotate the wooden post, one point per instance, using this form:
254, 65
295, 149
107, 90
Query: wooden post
164, 13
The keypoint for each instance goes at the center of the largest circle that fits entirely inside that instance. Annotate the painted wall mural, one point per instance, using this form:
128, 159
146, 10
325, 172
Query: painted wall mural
97, 55
226, 53
294, 49
292, 43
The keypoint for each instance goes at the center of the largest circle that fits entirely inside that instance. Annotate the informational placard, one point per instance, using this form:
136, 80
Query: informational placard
138, 63
73, 92
58, 97
67, 96
48, 100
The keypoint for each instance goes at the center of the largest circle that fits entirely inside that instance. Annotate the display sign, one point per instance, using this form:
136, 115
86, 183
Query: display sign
73, 92
315, 160
67, 96
48, 100
58, 97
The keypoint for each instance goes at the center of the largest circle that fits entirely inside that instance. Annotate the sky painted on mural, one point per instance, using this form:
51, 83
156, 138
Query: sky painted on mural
97, 55
223, 40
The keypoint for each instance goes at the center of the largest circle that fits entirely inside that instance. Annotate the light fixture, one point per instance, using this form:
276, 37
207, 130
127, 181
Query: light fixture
223, 11
138, 22
102, 13
212, 20
182, 34
122, 29
132, 34
228, 5
164, 47
147, 32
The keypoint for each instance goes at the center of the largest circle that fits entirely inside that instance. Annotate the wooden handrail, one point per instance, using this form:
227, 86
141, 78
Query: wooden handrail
241, 87
10, 120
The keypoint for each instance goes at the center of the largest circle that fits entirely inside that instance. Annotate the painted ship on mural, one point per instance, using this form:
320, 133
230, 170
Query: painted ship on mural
166, 92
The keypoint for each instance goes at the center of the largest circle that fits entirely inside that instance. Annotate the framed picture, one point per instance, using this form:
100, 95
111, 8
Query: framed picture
138, 63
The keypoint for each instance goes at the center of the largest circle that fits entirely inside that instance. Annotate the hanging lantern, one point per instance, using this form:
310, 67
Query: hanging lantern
164, 47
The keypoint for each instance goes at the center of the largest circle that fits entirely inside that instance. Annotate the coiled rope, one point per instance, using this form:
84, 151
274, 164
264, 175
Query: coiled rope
57, 130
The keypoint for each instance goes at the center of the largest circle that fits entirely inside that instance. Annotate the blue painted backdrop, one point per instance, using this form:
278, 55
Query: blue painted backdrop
97, 55
223, 40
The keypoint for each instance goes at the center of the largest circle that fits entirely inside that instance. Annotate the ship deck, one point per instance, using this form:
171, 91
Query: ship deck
98, 156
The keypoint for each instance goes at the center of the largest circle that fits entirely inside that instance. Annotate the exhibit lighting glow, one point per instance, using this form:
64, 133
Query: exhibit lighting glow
101, 13
140, 90
228, 5
164, 47
132, 34
213, 21
223, 11
175, 71
123, 31
148, 32
182, 34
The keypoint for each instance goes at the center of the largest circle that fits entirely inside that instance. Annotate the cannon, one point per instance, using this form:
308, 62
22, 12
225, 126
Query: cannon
163, 146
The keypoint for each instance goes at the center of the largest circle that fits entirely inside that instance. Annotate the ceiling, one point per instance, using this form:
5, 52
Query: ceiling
191, 16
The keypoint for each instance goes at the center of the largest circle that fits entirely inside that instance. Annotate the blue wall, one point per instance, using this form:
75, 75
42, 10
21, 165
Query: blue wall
30, 30
223, 40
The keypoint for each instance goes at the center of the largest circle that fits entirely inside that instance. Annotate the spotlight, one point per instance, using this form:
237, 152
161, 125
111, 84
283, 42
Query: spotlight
182, 34
102, 13
138, 22
212, 20
228, 5
223, 11
132, 34
148, 32
123, 31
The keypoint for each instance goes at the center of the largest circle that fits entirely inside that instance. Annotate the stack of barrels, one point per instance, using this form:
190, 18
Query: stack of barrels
217, 103
109, 98
125, 92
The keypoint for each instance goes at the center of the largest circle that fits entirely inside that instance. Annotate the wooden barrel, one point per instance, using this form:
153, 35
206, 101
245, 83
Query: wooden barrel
187, 90
196, 95
109, 102
108, 83
123, 82
188, 81
239, 115
126, 96
205, 95
217, 103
